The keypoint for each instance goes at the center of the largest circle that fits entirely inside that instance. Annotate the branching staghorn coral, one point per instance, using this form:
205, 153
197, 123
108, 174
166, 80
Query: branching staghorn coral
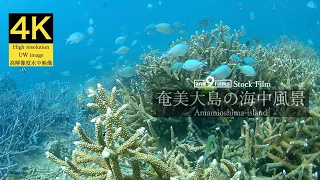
278, 147
100, 158
286, 65
25, 118
108, 155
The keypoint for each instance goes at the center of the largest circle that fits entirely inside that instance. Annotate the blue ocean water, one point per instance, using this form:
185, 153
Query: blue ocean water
290, 17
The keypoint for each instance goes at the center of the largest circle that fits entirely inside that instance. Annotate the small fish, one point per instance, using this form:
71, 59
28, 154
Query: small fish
90, 42
151, 29
56, 107
227, 39
93, 62
310, 42
120, 57
99, 57
46, 72
248, 44
178, 50
247, 70
240, 5
122, 50
134, 42
235, 58
178, 24
250, 61
82, 90
243, 30
176, 66
99, 67
252, 15
127, 71
207, 89
193, 64
164, 28
90, 21
90, 30
273, 5
312, 5
23, 70
91, 81
181, 31
104, 5
75, 38
101, 49
120, 40
256, 41
204, 23
66, 73
210, 144
149, 6
221, 72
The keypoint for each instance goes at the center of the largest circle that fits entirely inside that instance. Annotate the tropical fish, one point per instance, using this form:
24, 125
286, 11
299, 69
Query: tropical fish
99, 67
256, 41
193, 65
75, 38
90, 21
122, 50
181, 31
205, 22
243, 30
227, 39
178, 24
164, 28
247, 70
82, 90
149, 6
310, 42
23, 70
91, 81
207, 89
221, 72
66, 73
134, 42
250, 61
104, 5
99, 57
248, 44
56, 107
90, 41
312, 5
90, 30
127, 71
151, 29
176, 66
235, 58
120, 57
178, 50
210, 144
240, 5
252, 15
120, 40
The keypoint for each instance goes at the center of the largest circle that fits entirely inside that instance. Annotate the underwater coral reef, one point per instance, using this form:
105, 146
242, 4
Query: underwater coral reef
130, 143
